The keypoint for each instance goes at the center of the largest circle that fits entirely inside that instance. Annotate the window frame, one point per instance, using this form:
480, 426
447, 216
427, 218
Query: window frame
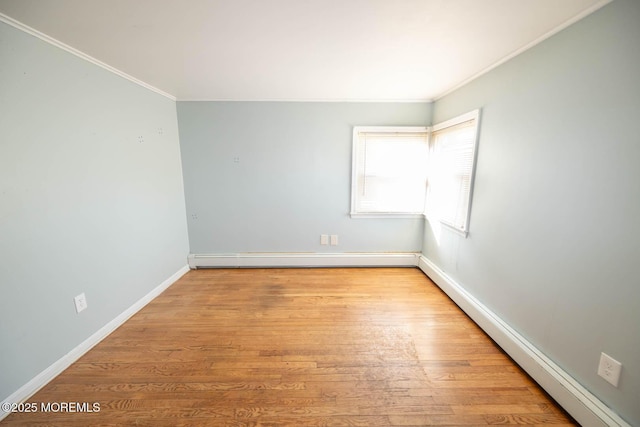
475, 116
354, 212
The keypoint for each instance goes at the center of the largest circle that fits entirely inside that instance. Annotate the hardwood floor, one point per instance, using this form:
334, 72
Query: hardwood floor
297, 347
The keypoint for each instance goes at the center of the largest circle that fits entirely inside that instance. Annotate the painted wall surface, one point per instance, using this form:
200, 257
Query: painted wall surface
273, 176
554, 239
84, 205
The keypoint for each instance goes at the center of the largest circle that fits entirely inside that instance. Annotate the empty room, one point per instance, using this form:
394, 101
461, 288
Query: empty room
319, 213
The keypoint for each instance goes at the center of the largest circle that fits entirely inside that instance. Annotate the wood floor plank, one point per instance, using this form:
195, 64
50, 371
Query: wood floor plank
297, 347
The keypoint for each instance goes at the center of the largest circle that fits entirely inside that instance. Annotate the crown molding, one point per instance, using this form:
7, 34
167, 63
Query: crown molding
57, 43
526, 47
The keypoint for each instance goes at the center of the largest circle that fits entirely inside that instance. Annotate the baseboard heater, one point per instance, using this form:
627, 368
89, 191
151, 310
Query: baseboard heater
257, 260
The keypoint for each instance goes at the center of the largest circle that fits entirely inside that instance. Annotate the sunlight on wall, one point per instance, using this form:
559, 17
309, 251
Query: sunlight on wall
436, 229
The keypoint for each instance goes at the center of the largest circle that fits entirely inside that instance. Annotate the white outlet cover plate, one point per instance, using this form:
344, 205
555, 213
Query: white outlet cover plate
80, 302
609, 369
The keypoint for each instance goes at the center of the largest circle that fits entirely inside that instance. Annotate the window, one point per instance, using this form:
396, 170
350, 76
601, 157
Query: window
415, 171
389, 171
452, 150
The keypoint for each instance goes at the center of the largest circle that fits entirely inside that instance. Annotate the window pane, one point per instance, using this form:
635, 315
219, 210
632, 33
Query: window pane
391, 171
451, 160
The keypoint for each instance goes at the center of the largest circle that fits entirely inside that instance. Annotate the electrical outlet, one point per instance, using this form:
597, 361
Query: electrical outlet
324, 239
80, 302
609, 369
334, 240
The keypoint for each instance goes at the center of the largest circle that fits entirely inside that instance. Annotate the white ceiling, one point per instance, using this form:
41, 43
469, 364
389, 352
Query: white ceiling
300, 49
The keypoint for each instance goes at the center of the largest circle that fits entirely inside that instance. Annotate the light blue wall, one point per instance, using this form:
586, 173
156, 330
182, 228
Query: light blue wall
554, 239
84, 206
292, 181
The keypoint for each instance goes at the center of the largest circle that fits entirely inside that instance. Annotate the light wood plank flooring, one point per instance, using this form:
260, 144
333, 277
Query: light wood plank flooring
298, 347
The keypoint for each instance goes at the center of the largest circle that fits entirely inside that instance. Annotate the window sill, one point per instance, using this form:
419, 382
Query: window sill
447, 226
385, 215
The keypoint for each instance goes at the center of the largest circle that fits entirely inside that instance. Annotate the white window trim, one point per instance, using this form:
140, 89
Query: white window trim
385, 215
354, 172
472, 115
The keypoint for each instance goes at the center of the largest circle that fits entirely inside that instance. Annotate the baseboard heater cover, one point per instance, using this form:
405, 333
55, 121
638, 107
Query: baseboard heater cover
267, 260
583, 405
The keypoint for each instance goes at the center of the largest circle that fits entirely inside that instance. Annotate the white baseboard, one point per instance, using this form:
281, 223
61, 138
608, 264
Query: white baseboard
408, 259
586, 408
40, 380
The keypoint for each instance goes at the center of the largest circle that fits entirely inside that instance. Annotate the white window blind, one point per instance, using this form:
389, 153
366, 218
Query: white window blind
451, 162
390, 170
